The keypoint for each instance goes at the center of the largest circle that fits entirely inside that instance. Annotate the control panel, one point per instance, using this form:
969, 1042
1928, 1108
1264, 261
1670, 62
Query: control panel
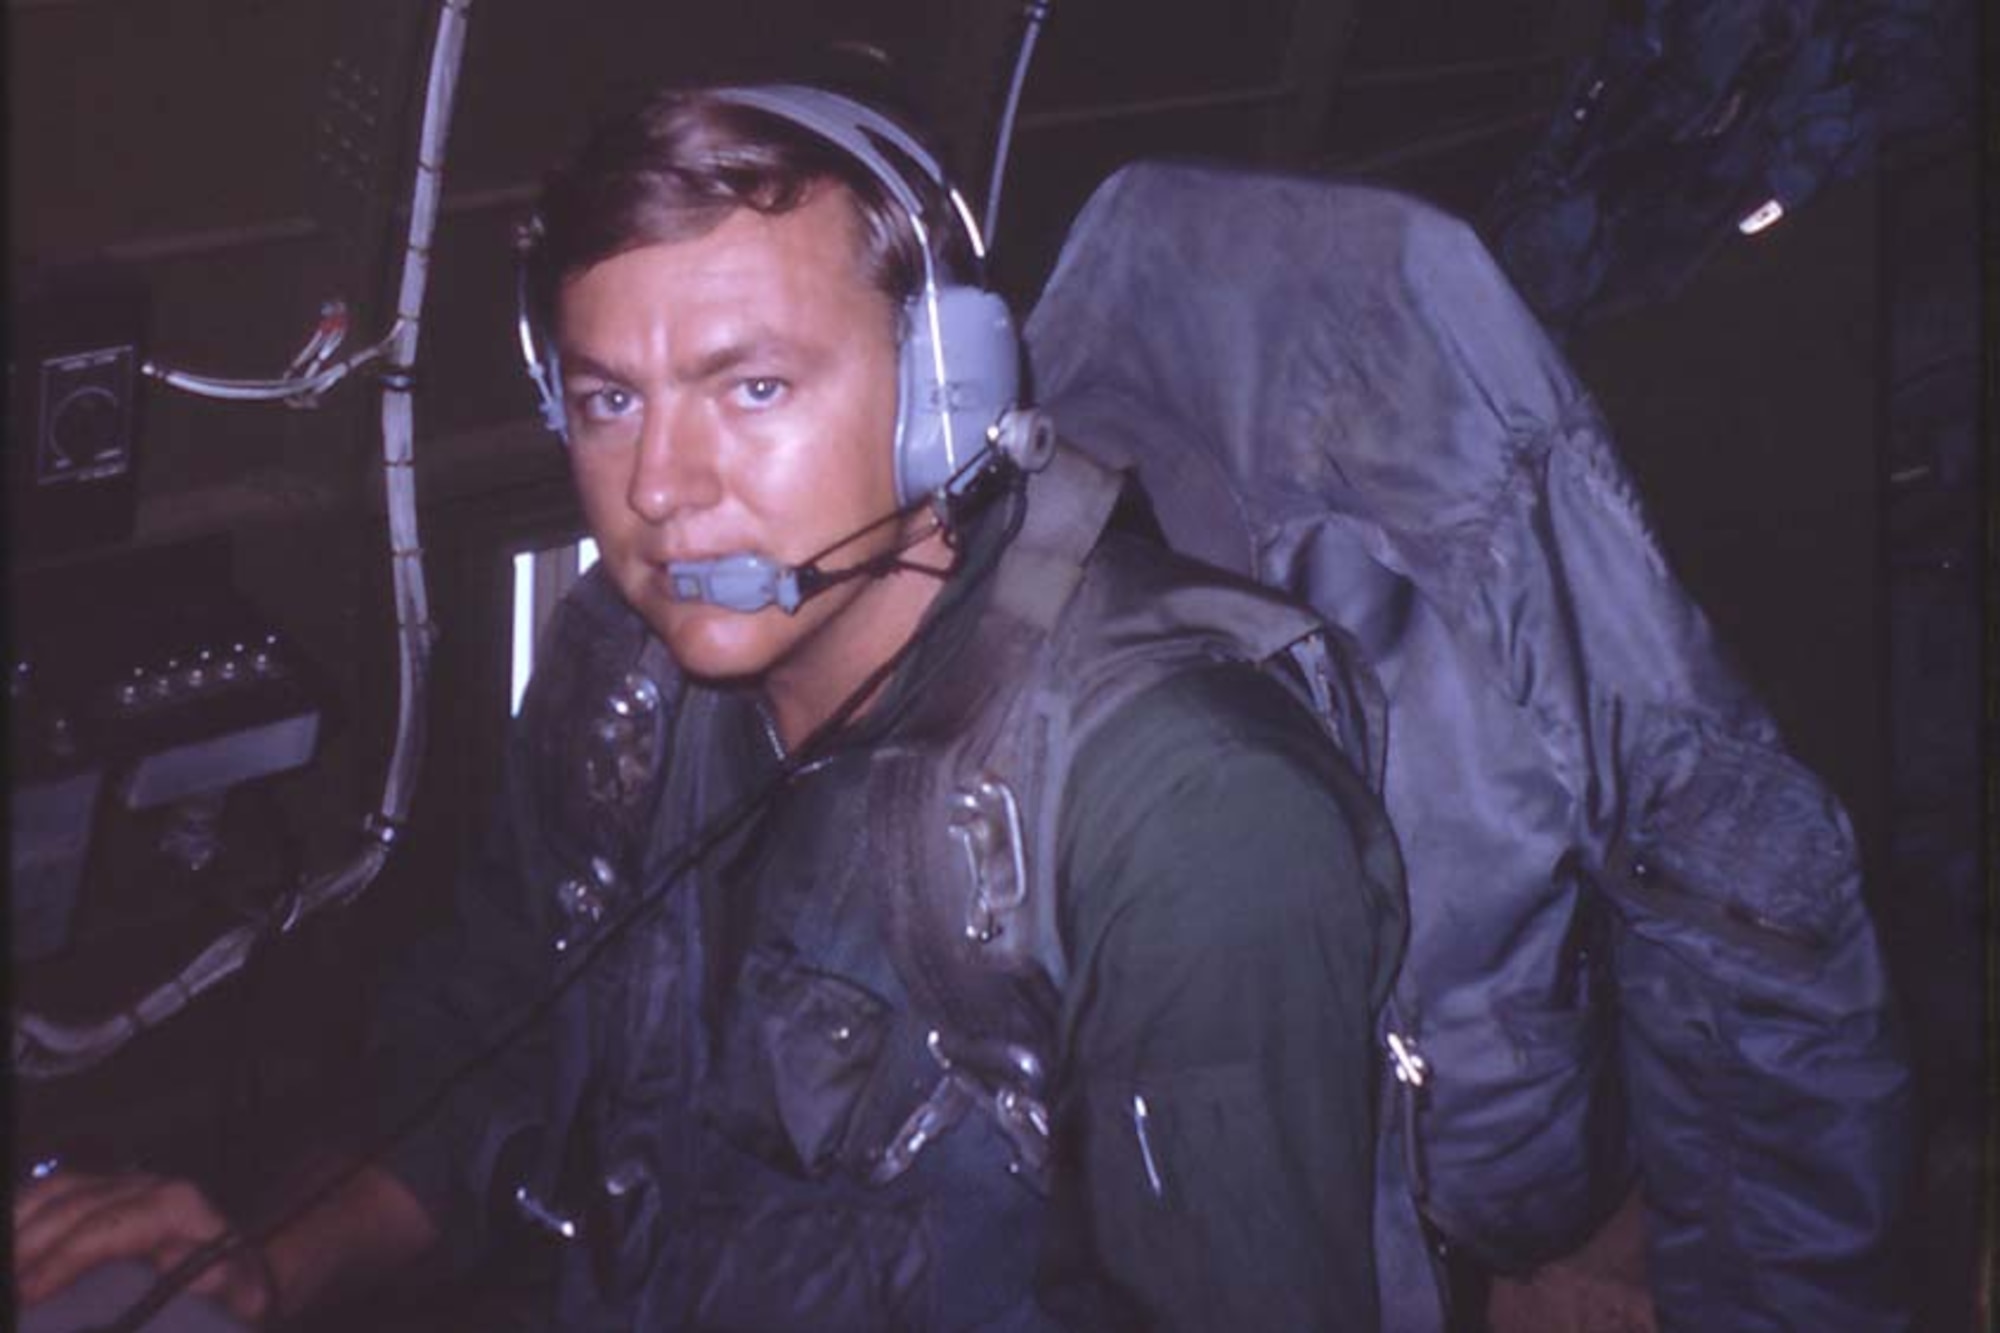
137, 682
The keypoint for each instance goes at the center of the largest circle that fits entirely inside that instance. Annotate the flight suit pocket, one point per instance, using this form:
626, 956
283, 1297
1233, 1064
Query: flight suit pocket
796, 1050
1738, 858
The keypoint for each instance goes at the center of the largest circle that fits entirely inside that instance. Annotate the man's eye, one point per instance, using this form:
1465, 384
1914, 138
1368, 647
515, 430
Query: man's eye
606, 403
761, 391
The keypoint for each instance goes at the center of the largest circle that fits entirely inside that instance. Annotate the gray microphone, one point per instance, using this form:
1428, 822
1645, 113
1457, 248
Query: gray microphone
748, 582
742, 582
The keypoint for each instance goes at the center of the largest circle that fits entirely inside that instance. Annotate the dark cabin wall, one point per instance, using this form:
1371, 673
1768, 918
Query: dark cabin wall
1749, 408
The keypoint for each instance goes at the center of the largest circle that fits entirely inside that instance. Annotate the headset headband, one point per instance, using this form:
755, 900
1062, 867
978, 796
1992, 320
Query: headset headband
861, 131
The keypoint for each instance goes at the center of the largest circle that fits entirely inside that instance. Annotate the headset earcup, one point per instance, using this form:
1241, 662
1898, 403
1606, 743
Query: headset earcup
942, 428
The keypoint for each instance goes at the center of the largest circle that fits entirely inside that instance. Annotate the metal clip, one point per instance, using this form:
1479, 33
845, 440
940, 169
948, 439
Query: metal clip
934, 1043
1017, 1108
625, 742
945, 1107
1011, 1078
584, 901
1142, 1117
1408, 1061
640, 697
543, 1216
985, 820
1024, 1122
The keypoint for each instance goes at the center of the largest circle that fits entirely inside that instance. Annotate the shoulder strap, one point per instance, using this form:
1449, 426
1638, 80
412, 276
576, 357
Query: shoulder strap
1071, 502
957, 799
962, 846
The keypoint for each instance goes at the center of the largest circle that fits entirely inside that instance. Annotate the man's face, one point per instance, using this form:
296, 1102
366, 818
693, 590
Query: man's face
731, 393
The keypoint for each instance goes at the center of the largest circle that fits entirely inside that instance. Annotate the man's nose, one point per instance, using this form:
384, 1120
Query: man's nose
675, 466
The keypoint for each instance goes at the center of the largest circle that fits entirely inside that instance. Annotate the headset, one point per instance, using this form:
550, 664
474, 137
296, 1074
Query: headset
958, 408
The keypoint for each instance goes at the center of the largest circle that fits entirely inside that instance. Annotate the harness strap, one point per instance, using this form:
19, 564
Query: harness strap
1068, 513
958, 919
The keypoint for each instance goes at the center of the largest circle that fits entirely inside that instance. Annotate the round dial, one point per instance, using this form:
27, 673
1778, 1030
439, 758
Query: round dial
83, 428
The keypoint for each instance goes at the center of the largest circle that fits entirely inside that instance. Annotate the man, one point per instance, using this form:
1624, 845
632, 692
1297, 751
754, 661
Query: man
777, 1097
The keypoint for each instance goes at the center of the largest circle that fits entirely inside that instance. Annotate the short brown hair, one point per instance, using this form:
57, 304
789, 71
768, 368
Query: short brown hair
673, 169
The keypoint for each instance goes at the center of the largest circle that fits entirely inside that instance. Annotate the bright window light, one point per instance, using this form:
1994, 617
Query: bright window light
524, 628
540, 580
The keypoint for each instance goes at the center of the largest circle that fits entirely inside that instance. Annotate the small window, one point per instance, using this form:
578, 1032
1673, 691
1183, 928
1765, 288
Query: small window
540, 580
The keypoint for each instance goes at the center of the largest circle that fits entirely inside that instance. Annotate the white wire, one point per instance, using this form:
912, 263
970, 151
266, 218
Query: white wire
1036, 11
440, 90
970, 223
268, 390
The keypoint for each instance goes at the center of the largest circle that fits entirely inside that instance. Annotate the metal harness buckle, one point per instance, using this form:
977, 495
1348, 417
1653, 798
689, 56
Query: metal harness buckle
985, 820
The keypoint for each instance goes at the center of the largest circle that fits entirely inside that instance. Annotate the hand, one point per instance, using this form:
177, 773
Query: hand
70, 1223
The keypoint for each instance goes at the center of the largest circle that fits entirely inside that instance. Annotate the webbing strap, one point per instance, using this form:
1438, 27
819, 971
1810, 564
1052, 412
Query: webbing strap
1068, 507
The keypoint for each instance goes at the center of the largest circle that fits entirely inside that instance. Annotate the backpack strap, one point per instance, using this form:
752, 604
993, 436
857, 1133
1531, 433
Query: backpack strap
1068, 514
